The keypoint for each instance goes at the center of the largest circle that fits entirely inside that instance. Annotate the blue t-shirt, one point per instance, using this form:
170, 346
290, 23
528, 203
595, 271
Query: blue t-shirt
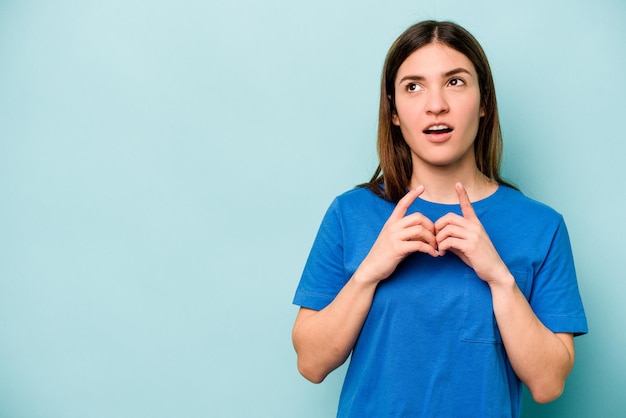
430, 345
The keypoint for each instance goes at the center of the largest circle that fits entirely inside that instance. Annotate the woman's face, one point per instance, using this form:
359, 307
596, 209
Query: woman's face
438, 108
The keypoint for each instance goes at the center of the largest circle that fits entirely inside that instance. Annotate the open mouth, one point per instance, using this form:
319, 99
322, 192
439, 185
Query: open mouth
437, 129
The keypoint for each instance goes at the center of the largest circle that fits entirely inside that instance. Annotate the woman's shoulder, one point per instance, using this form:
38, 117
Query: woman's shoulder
359, 199
515, 201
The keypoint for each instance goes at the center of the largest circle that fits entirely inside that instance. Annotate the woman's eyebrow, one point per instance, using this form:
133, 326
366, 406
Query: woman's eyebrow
450, 73
457, 71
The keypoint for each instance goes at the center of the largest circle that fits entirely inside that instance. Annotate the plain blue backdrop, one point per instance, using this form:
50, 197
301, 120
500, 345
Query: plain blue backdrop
164, 166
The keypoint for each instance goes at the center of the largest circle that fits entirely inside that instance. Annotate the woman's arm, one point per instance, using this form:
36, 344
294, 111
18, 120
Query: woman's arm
541, 359
324, 339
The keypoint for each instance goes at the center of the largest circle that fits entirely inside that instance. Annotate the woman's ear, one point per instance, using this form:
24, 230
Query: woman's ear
394, 114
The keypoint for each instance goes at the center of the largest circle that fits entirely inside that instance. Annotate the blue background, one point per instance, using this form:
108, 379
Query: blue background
164, 167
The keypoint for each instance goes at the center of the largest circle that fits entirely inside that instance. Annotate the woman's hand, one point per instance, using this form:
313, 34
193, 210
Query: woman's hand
466, 237
400, 236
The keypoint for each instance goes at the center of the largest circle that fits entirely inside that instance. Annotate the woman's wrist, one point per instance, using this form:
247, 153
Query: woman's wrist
502, 280
363, 277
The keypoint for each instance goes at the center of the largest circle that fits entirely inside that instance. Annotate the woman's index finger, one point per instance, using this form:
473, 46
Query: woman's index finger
406, 201
466, 206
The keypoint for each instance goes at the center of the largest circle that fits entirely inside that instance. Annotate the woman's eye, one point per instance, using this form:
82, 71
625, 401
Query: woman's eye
411, 87
456, 82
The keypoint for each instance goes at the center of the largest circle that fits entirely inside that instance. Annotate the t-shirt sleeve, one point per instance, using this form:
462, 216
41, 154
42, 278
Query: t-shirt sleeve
324, 274
555, 297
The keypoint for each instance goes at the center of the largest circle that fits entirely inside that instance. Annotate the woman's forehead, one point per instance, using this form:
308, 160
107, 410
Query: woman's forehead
434, 60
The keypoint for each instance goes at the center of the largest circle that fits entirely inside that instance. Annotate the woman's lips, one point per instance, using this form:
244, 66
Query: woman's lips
438, 128
438, 133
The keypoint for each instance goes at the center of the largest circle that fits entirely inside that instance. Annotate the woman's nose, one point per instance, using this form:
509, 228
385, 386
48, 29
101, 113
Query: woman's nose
436, 102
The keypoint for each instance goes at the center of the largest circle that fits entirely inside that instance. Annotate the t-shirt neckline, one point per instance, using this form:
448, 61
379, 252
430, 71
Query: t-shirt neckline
478, 203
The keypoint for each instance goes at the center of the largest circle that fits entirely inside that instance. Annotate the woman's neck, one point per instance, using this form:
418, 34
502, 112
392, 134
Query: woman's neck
439, 184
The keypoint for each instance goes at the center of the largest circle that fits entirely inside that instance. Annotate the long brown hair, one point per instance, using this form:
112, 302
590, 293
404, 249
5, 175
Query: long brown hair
393, 175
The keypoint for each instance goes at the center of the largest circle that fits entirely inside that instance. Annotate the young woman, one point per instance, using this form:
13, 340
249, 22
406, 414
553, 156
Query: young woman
448, 287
